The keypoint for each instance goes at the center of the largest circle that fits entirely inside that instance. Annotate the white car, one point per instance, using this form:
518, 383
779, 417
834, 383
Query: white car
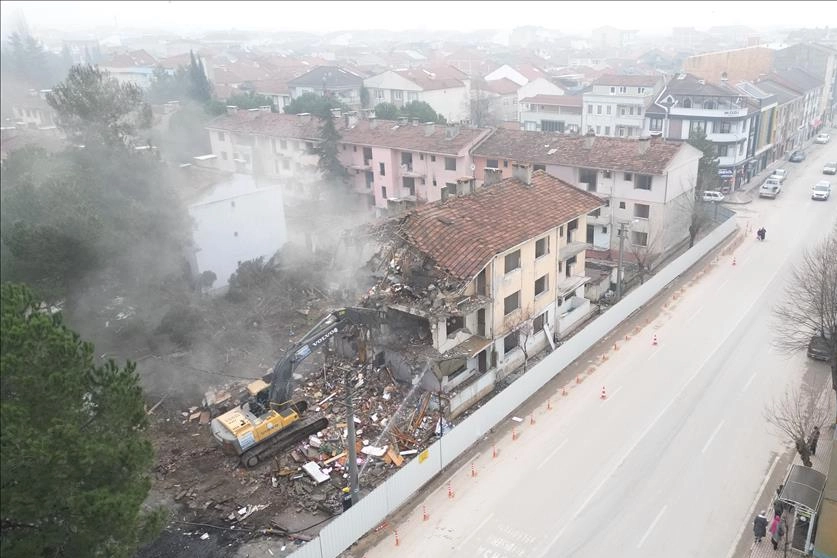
830, 168
713, 196
821, 190
822, 138
770, 188
780, 175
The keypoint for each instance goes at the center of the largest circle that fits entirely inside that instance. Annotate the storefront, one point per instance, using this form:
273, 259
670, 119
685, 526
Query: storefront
727, 176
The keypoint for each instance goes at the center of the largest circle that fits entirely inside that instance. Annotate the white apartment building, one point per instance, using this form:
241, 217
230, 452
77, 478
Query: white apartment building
616, 105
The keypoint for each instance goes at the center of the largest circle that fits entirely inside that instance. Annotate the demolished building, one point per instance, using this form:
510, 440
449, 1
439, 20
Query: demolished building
475, 285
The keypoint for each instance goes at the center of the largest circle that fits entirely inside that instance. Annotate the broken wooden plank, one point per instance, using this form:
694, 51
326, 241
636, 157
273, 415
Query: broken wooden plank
335, 458
157, 404
395, 457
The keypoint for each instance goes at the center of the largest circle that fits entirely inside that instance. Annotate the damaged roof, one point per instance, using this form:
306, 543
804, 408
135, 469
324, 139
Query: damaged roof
271, 124
407, 137
621, 154
464, 233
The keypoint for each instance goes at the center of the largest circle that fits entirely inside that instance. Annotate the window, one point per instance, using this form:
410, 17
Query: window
598, 109
235, 155
655, 124
709, 105
538, 167
511, 303
607, 174
722, 127
640, 90
221, 136
609, 108
493, 163
512, 261
561, 231
552, 126
511, 342
542, 247
628, 177
607, 130
604, 230
687, 103
454, 323
598, 130
588, 176
286, 164
283, 144
612, 90
450, 163
642, 210
397, 94
622, 89
643, 182
639, 238
506, 164
309, 147
354, 148
621, 132
541, 285
623, 111
741, 148
621, 205
595, 213
722, 150
224, 155
379, 93
538, 323
589, 109
382, 169
432, 158
697, 126
421, 156
384, 192
295, 146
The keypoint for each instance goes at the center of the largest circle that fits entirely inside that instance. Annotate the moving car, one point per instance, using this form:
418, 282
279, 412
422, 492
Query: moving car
770, 188
818, 348
830, 168
780, 175
822, 138
797, 156
821, 190
713, 196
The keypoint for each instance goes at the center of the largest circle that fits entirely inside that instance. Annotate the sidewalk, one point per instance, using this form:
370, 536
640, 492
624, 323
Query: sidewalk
820, 463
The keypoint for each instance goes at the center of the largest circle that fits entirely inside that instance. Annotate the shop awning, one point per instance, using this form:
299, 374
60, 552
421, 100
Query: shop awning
803, 489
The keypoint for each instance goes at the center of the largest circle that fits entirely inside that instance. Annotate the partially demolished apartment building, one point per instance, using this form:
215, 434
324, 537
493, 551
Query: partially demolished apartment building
469, 281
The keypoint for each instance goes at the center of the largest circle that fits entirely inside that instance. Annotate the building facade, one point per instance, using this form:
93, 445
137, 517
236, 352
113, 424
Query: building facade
551, 113
616, 105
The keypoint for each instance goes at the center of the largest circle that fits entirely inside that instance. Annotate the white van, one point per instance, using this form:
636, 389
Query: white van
770, 188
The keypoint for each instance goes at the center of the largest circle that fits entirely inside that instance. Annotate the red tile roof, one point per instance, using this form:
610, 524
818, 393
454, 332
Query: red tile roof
555, 100
629, 81
462, 234
503, 86
431, 80
270, 124
620, 154
133, 59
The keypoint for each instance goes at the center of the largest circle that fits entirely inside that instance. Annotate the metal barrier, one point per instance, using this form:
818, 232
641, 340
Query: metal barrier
347, 528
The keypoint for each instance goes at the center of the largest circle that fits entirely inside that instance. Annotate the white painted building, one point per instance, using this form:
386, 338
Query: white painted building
616, 105
236, 221
445, 89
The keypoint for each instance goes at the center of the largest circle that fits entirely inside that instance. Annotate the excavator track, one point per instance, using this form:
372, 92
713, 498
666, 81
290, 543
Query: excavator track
284, 439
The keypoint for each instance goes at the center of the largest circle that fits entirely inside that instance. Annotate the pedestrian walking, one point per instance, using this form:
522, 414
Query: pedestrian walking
812, 441
778, 507
760, 526
777, 535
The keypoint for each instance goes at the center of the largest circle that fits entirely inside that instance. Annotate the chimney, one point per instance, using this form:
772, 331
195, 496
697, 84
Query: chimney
351, 119
403, 120
232, 109
522, 172
335, 113
429, 128
304, 116
589, 139
373, 122
415, 121
451, 131
264, 108
644, 144
492, 176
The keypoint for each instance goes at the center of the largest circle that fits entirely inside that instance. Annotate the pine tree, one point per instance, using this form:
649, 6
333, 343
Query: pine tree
707, 178
74, 455
329, 163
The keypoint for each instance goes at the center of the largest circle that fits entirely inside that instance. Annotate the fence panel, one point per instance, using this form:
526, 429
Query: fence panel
413, 476
341, 533
311, 549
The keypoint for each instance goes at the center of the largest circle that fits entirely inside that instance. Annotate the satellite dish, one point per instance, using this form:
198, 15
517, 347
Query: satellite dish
473, 166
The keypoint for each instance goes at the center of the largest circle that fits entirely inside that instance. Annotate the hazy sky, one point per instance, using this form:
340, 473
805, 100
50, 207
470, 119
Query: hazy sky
324, 16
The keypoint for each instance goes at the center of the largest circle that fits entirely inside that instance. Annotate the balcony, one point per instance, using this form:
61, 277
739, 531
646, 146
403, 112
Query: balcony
733, 112
366, 166
571, 249
407, 171
729, 137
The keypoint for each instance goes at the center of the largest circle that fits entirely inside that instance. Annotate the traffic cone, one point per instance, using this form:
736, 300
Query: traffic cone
514, 434
548, 405
397, 540
473, 470
564, 391
424, 515
532, 418
615, 347
627, 338
733, 260
493, 452
604, 393
450, 492
578, 379
654, 341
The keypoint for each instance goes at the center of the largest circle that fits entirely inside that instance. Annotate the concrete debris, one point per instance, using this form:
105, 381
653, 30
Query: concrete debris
374, 451
204, 536
315, 472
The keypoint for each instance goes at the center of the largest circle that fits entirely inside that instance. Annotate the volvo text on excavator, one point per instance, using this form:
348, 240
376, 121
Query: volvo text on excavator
269, 422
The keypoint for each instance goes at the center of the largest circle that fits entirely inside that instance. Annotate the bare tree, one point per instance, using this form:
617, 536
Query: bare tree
483, 109
521, 322
694, 210
796, 414
645, 257
810, 306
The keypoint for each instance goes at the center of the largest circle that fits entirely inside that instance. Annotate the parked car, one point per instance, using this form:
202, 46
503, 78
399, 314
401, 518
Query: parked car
780, 175
713, 196
830, 168
821, 190
822, 138
797, 156
818, 348
770, 188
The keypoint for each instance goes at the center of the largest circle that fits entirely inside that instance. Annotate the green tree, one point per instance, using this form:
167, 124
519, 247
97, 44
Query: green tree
95, 109
386, 111
329, 163
75, 455
27, 59
199, 87
422, 111
314, 104
250, 100
364, 97
167, 87
707, 178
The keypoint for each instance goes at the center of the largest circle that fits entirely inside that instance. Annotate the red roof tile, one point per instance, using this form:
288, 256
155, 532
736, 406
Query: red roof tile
430, 79
555, 100
270, 124
133, 59
620, 154
462, 234
503, 86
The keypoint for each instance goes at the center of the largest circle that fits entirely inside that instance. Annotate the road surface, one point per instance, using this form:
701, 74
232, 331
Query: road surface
670, 462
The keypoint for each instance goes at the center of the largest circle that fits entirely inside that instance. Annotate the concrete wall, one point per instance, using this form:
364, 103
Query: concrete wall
742, 64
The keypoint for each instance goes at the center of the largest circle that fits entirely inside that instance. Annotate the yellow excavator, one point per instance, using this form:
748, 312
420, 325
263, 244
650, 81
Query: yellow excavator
268, 422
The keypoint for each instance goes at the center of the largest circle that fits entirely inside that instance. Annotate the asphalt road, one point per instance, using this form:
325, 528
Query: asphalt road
670, 462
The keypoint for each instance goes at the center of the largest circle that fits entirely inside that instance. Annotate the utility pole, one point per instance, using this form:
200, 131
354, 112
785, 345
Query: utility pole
350, 421
621, 233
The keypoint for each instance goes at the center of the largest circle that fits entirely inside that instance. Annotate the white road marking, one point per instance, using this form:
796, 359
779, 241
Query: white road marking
752, 510
712, 437
551, 455
652, 355
749, 382
474, 532
671, 402
721, 288
450, 478
690, 318
612, 395
651, 528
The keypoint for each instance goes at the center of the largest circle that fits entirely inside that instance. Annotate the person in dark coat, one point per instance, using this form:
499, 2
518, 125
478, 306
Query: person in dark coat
812, 442
760, 526
778, 507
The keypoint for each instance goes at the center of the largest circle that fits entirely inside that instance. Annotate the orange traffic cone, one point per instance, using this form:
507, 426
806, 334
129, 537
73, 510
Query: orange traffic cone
733, 260
424, 515
397, 540
654, 341
604, 393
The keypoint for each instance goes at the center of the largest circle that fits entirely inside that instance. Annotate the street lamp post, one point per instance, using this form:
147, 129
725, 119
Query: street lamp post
350, 420
621, 233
